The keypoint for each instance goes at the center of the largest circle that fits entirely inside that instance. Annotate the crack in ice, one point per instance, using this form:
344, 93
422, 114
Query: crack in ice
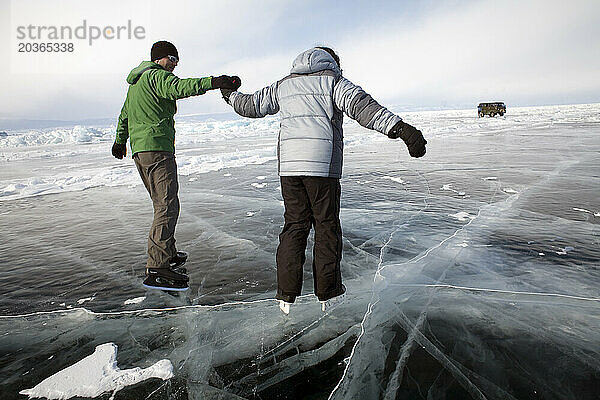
375, 277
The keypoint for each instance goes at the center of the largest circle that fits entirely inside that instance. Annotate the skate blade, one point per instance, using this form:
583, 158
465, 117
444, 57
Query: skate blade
165, 288
333, 303
284, 307
165, 285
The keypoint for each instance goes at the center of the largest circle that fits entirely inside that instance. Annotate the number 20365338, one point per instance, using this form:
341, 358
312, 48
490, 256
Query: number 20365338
25, 47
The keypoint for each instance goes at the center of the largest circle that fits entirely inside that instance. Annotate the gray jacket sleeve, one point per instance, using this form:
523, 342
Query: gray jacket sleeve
263, 102
360, 106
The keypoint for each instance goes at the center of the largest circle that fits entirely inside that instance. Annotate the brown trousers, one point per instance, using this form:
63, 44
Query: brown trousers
310, 201
158, 171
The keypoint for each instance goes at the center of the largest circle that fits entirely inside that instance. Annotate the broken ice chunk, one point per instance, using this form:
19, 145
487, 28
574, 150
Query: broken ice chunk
96, 374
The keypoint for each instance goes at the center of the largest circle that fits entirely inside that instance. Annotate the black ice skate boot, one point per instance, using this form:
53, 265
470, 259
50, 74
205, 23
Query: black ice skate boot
165, 279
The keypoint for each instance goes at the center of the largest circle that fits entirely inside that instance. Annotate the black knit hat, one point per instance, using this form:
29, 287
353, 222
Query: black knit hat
162, 49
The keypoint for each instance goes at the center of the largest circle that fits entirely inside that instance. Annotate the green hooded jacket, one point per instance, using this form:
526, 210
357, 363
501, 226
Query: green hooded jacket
147, 115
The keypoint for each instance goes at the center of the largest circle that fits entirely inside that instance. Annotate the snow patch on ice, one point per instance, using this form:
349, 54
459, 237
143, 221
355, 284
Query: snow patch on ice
597, 214
462, 216
135, 300
259, 185
96, 374
12, 189
582, 210
81, 301
77, 179
398, 180
74, 180
509, 191
449, 188
187, 165
564, 251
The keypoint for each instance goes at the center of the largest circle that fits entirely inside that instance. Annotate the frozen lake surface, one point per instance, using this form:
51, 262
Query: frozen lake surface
472, 273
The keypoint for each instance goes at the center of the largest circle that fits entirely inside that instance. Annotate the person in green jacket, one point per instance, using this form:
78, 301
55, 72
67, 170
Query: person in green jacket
146, 119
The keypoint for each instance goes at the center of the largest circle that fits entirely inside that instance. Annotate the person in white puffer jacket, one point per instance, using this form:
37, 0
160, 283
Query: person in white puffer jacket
311, 102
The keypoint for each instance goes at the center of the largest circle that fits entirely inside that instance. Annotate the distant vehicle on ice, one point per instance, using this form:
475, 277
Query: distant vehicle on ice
491, 109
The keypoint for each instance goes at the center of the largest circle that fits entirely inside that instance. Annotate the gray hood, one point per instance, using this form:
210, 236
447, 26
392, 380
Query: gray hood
314, 60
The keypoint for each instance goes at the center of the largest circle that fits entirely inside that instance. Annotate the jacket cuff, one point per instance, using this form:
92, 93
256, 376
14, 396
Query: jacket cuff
232, 97
205, 84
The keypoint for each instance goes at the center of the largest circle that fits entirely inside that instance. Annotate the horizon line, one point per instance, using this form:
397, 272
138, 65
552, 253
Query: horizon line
395, 106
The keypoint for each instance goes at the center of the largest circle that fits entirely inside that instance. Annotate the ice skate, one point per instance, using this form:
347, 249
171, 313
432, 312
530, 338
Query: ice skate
330, 304
165, 279
284, 306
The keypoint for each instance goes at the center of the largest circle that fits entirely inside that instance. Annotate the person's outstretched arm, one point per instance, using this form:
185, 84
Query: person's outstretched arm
360, 106
257, 105
169, 86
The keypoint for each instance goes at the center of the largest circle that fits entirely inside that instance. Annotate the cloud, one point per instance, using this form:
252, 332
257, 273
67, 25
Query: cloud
90, 82
484, 49
453, 52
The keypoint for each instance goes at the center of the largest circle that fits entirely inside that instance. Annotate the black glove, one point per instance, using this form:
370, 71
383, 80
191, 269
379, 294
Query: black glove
226, 82
237, 82
412, 137
119, 150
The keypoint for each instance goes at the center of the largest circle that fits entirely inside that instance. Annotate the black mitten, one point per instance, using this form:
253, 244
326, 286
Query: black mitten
411, 136
236, 83
119, 150
225, 82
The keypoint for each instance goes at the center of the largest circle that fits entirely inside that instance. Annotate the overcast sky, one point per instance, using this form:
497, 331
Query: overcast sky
405, 53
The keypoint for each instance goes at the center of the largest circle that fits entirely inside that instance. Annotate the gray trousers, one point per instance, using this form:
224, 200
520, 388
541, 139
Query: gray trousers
158, 171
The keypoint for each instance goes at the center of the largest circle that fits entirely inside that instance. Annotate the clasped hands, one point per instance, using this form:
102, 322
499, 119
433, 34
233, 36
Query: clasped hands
227, 84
